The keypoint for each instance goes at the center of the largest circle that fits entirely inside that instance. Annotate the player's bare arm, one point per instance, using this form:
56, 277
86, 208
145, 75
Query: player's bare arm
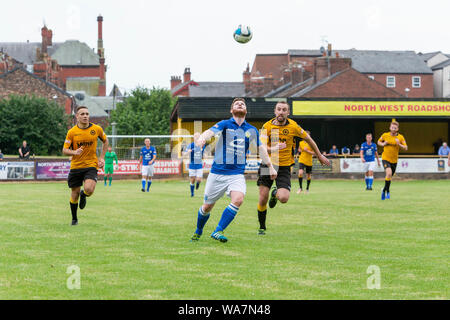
323, 160
70, 152
382, 143
101, 159
266, 160
205, 136
402, 145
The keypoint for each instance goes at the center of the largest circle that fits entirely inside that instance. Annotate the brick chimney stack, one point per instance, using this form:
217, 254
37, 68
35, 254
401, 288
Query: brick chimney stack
47, 39
296, 74
286, 75
187, 75
247, 78
101, 50
101, 53
327, 66
174, 81
268, 83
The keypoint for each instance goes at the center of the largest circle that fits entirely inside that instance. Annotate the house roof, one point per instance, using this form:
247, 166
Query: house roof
75, 53
181, 86
373, 61
427, 56
441, 65
25, 52
217, 89
368, 61
276, 91
305, 53
289, 91
68, 53
97, 107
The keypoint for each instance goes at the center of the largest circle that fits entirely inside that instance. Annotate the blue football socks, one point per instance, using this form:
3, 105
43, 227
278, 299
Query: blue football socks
192, 189
201, 221
227, 217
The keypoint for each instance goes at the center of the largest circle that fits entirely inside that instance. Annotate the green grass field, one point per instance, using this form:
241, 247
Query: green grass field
131, 245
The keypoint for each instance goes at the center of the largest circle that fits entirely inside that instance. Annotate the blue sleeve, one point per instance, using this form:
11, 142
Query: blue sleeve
142, 154
218, 127
154, 151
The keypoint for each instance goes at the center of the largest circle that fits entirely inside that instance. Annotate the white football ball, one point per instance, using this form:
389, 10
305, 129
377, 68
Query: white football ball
243, 34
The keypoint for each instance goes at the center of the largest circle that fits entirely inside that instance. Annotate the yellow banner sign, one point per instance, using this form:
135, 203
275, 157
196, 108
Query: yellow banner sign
371, 108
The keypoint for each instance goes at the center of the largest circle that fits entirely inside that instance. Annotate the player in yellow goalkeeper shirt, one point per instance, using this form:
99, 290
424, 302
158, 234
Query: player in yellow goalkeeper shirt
81, 145
278, 134
392, 142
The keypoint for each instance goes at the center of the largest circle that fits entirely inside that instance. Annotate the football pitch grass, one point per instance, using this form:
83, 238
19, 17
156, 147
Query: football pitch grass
335, 243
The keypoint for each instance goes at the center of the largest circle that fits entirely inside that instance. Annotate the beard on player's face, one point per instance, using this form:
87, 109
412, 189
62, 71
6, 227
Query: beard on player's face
239, 111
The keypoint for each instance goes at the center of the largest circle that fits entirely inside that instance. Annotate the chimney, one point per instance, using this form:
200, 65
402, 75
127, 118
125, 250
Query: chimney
102, 84
327, 66
296, 74
101, 51
268, 83
187, 75
247, 78
47, 36
321, 70
258, 86
174, 81
286, 75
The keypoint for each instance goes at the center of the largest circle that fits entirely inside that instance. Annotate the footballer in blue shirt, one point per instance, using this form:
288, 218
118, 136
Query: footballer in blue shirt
195, 163
368, 154
227, 172
147, 161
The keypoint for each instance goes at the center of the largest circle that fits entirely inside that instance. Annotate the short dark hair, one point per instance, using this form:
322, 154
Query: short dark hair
81, 107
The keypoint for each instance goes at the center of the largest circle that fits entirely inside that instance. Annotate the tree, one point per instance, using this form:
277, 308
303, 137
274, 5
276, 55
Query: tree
144, 112
43, 124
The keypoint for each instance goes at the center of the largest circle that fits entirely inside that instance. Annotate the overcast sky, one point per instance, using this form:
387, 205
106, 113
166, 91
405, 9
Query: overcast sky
146, 42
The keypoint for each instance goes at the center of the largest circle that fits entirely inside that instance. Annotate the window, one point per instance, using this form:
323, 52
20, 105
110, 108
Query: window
372, 77
416, 82
390, 81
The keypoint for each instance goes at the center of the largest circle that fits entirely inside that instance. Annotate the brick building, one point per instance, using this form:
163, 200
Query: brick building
19, 81
70, 65
286, 74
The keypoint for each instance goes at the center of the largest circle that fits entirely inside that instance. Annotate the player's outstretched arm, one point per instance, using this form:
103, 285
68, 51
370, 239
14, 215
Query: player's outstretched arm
323, 160
205, 136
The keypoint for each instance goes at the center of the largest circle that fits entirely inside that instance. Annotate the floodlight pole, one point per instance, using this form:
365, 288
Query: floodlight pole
114, 133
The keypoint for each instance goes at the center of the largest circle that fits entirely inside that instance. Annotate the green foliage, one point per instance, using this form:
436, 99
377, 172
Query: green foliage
144, 112
43, 124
